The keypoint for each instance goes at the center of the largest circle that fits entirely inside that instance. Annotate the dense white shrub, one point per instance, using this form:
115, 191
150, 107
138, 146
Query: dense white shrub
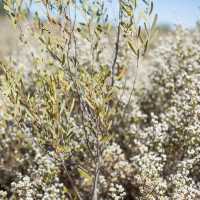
171, 134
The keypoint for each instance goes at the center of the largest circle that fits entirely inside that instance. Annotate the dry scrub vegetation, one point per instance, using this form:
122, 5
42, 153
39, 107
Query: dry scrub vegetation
75, 125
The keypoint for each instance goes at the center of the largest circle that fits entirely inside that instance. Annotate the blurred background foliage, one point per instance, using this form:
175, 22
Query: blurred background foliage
2, 10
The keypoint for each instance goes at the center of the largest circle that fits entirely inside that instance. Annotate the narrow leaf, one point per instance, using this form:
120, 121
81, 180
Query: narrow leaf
132, 48
151, 8
154, 22
139, 31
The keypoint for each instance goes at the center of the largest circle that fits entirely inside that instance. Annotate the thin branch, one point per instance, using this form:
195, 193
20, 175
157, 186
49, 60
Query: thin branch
97, 172
116, 48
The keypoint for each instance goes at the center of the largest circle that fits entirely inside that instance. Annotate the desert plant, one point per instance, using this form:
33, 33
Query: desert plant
169, 137
70, 102
69, 128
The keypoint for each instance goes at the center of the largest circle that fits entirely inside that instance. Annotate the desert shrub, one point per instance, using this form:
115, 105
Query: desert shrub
69, 128
46, 110
68, 105
170, 136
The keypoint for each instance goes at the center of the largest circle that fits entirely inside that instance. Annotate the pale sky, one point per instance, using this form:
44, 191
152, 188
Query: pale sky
183, 12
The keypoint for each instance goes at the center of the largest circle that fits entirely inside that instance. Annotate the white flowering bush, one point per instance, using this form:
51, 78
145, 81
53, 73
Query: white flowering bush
171, 131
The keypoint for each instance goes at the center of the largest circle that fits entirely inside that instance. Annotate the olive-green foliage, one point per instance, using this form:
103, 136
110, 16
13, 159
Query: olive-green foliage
70, 102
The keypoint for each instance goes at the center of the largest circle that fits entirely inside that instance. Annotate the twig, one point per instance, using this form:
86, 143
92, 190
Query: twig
97, 172
116, 49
